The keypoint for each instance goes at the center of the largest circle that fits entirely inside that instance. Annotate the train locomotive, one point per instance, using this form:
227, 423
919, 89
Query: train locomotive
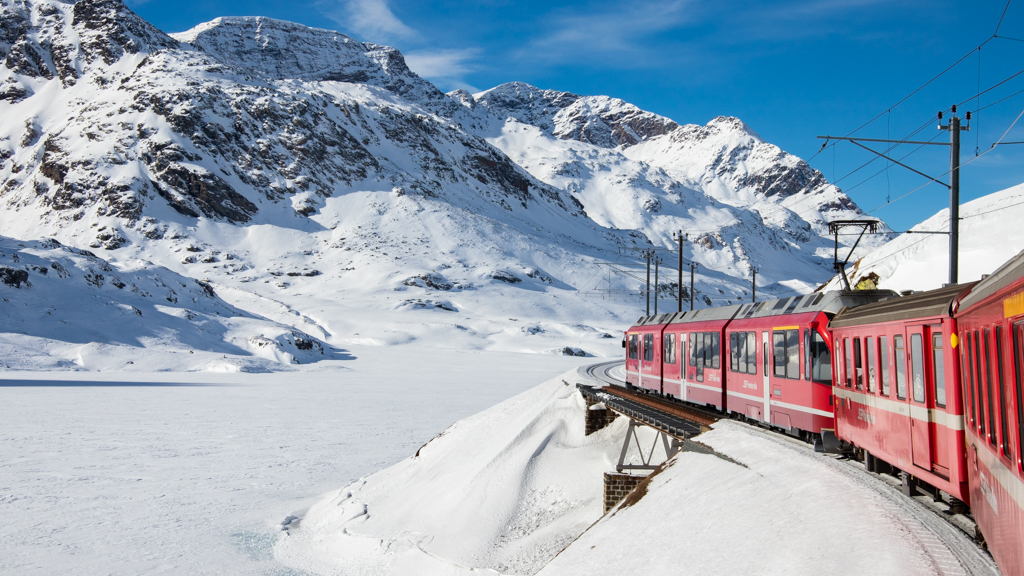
928, 384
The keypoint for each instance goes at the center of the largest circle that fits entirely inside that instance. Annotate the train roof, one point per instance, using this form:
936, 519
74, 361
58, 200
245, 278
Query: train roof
920, 305
1008, 273
831, 302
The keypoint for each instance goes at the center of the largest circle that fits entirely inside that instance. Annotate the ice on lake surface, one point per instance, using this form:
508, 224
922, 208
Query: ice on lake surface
193, 473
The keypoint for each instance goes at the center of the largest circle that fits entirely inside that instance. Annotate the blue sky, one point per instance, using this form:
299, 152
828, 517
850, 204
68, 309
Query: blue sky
792, 70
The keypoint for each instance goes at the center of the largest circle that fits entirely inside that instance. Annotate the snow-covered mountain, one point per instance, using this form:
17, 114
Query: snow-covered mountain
315, 180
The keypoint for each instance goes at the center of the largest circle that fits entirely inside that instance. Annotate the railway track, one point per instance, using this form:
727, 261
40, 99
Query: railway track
934, 528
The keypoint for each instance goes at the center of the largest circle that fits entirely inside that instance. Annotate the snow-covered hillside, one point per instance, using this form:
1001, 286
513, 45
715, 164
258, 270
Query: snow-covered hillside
315, 180
990, 234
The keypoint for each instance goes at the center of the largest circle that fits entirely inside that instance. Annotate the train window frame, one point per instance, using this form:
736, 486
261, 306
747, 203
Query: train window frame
820, 347
751, 350
871, 384
648, 347
848, 372
858, 365
977, 372
734, 351
669, 345
989, 401
885, 386
633, 352
1004, 425
692, 348
900, 358
807, 354
917, 372
938, 369
1018, 359
792, 354
968, 378
716, 349
779, 353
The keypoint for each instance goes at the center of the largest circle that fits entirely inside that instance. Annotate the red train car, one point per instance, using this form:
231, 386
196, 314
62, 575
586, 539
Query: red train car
780, 367
990, 323
698, 375
644, 352
895, 383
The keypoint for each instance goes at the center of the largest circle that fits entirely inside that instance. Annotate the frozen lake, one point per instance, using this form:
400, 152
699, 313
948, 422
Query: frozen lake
175, 473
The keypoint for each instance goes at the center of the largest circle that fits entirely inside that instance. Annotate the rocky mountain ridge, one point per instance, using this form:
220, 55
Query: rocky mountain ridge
288, 165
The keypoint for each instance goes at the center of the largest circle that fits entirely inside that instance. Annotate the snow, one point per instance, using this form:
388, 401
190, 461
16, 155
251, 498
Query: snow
990, 234
504, 490
192, 473
777, 508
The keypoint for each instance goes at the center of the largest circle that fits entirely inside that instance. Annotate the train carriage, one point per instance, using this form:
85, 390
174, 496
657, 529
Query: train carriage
698, 375
990, 324
895, 381
644, 352
780, 369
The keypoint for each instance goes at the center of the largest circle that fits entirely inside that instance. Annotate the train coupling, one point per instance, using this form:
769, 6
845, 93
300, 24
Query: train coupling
828, 443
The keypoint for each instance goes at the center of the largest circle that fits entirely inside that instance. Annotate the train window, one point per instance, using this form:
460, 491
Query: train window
693, 348
793, 354
715, 348
634, 345
1004, 429
901, 367
807, 354
734, 351
1018, 357
872, 364
648, 347
883, 357
670, 349
938, 370
989, 404
751, 353
779, 353
821, 359
977, 380
917, 366
858, 365
968, 378
848, 362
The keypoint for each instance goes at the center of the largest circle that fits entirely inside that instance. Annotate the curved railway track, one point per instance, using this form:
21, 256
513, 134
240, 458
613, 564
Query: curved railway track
940, 539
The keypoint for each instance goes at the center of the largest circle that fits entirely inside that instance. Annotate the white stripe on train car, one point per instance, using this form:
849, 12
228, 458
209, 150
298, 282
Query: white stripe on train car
940, 417
703, 387
757, 399
800, 408
1006, 477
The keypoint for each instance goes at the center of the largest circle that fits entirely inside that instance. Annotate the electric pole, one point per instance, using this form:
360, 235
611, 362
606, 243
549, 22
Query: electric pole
656, 262
753, 286
647, 254
693, 266
679, 292
954, 129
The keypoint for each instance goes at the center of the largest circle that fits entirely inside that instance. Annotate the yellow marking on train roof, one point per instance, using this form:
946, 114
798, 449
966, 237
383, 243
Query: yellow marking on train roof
786, 328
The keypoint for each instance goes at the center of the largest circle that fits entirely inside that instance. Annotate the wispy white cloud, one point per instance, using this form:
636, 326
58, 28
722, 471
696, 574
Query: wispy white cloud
620, 31
372, 20
444, 67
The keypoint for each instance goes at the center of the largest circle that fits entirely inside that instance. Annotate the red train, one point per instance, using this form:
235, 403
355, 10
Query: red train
929, 384
769, 361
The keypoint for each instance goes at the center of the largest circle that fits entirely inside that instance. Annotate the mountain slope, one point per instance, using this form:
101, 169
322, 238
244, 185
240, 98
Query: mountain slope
317, 181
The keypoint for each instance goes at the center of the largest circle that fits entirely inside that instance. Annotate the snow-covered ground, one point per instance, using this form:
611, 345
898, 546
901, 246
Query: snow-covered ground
504, 491
192, 473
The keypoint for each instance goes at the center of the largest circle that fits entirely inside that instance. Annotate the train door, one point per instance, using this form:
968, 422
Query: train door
684, 360
920, 411
765, 384
938, 400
